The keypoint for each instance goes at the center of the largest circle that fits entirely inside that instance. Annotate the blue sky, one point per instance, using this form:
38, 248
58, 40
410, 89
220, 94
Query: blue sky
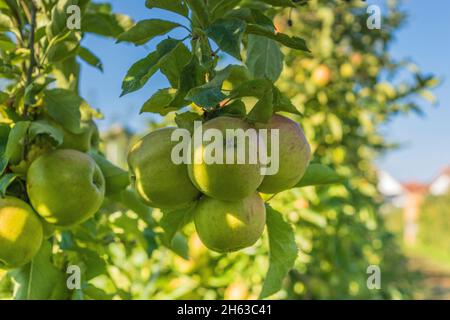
425, 39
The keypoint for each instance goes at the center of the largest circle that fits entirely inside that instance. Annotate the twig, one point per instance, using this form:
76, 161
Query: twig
271, 197
29, 78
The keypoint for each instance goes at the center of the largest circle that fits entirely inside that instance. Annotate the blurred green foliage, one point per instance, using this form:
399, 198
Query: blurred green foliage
434, 224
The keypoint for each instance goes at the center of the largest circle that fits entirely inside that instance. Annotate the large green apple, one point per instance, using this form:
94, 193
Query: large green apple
224, 181
158, 180
294, 155
226, 226
66, 187
20, 233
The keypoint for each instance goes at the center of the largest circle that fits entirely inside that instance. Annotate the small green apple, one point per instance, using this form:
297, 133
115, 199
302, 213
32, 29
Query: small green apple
224, 181
65, 187
294, 155
226, 226
20, 233
158, 180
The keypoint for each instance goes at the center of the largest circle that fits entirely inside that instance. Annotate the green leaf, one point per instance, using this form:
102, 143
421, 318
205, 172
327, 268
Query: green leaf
151, 243
4, 134
105, 24
6, 44
318, 174
64, 48
227, 33
200, 11
167, 100
58, 23
223, 7
33, 89
87, 56
179, 245
280, 3
174, 221
251, 88
174, 64
174, 6
192, 76
264, 58
263, 109
5, 181
146, 30
116, 179
283, 252
40, 279
95, 293
239, 74
160, 102
261, 89
67, 73
186, 120
144, 69
3, 96
95, 265
283, 103
234, 109
5, 22
64, 107
42, 127
291, 42
129, 199
16, 142
210, 94
259, 18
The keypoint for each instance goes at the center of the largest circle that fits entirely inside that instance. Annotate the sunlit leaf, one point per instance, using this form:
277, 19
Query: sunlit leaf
319, 174
283, 252
145, 30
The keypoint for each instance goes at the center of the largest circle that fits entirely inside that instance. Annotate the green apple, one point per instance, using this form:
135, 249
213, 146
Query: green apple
66, 187
226, 226
35, 150
158, 180
294, 155
224, 181
21, 233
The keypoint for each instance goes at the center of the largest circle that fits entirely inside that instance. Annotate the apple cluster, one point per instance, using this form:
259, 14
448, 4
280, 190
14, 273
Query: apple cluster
64, 187
229, 212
